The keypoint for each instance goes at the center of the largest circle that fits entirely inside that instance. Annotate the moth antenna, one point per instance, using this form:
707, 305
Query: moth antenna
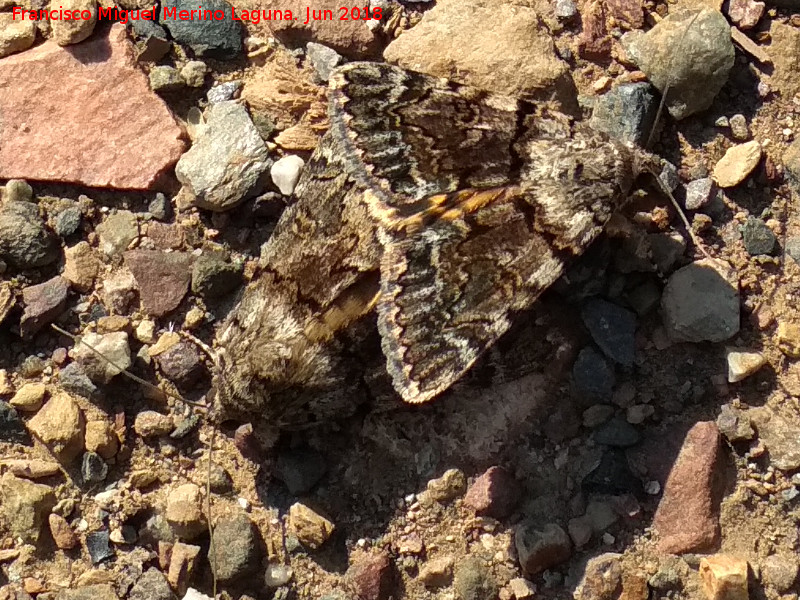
666, 191
79, 340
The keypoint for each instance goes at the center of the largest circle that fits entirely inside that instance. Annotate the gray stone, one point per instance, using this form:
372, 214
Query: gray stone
473, 581
300, 469
181, 363
541, 547
98, 543
793, 249
152, 585
699, 193
194, 73
25, 243
212, 38
67, 221
73, 379
666, 249
612, 328
734, 424
739, 129
565, 9
12, 429
691, 51
780, 572
223, 92
701, 303
213, 277
616, 433
235, 536
757, 237
323, 59
782, 440
117, 231
592, 376
612, 475
93, 468
160, 207
227, 163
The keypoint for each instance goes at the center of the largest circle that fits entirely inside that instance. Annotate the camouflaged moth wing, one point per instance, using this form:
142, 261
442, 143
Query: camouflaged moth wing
445, 207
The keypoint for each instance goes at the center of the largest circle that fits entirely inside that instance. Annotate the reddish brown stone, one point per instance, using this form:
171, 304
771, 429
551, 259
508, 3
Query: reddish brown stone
43, 303
163, 278
370, 576
494, 494
62, 533
627, 12
687, 516
594, 42
101, 125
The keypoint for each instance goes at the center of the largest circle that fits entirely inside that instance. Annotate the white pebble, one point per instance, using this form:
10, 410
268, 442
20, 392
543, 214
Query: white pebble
193, 594
285, 173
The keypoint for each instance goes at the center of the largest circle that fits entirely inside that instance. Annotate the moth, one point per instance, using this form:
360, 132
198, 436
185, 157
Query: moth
432, 211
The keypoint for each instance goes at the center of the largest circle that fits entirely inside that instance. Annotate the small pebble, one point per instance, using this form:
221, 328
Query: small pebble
285, 173
739, 129
737, 163
742, 364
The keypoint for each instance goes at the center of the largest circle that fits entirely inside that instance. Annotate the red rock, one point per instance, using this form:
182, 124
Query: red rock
43, 303
370, 576
686, 519
101, 126
163, 278
494, 494
628, 12
594, 42
745, 13
62, 533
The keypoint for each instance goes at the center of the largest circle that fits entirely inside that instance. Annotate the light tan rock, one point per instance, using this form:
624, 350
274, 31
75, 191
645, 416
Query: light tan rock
101, 438
16, 35
30, 397
72, 31
310, 527
96, 140
724, 577
738, 162
502, 48
81, 266
60, 425
185, 511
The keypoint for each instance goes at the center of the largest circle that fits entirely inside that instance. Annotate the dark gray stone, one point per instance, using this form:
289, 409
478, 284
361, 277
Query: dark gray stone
211, 38
616, 433
181, 364
25, 242
540, 547
757, 237
12, 429
592, 376
99, 546
300, 469
627, 112
93, 468
612, 328
699, 193
612, 476
238, 556
185, 427
793, 249
160, 207
73, 379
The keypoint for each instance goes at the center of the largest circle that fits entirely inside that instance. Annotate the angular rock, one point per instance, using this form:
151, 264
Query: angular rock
285, 173
742, 364
370, 576
163, 278
25, 243
687, 516
67, 221
184, 511
29, 397
63, 535
724, 577
757, 237
98, 140
780, 572
701, 302
164, 78
227, 163
699, 193
81, 266
690, 52
612, 328
592, 376
181, 364
152, 585
214, 38
99, 547
626, 112
31, 468
60, 425
437, 572
513, 56
117, 231
745, 13
43, 304
737, 163
93, 468
300, 469
113, 346
213, 277
235, 537
16, 35
24, 506
781, 438
311, 528
495, 493
541, 547
323, 59
449, 486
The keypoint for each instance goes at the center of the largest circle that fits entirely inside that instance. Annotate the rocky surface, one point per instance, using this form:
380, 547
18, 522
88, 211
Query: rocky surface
644, 406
